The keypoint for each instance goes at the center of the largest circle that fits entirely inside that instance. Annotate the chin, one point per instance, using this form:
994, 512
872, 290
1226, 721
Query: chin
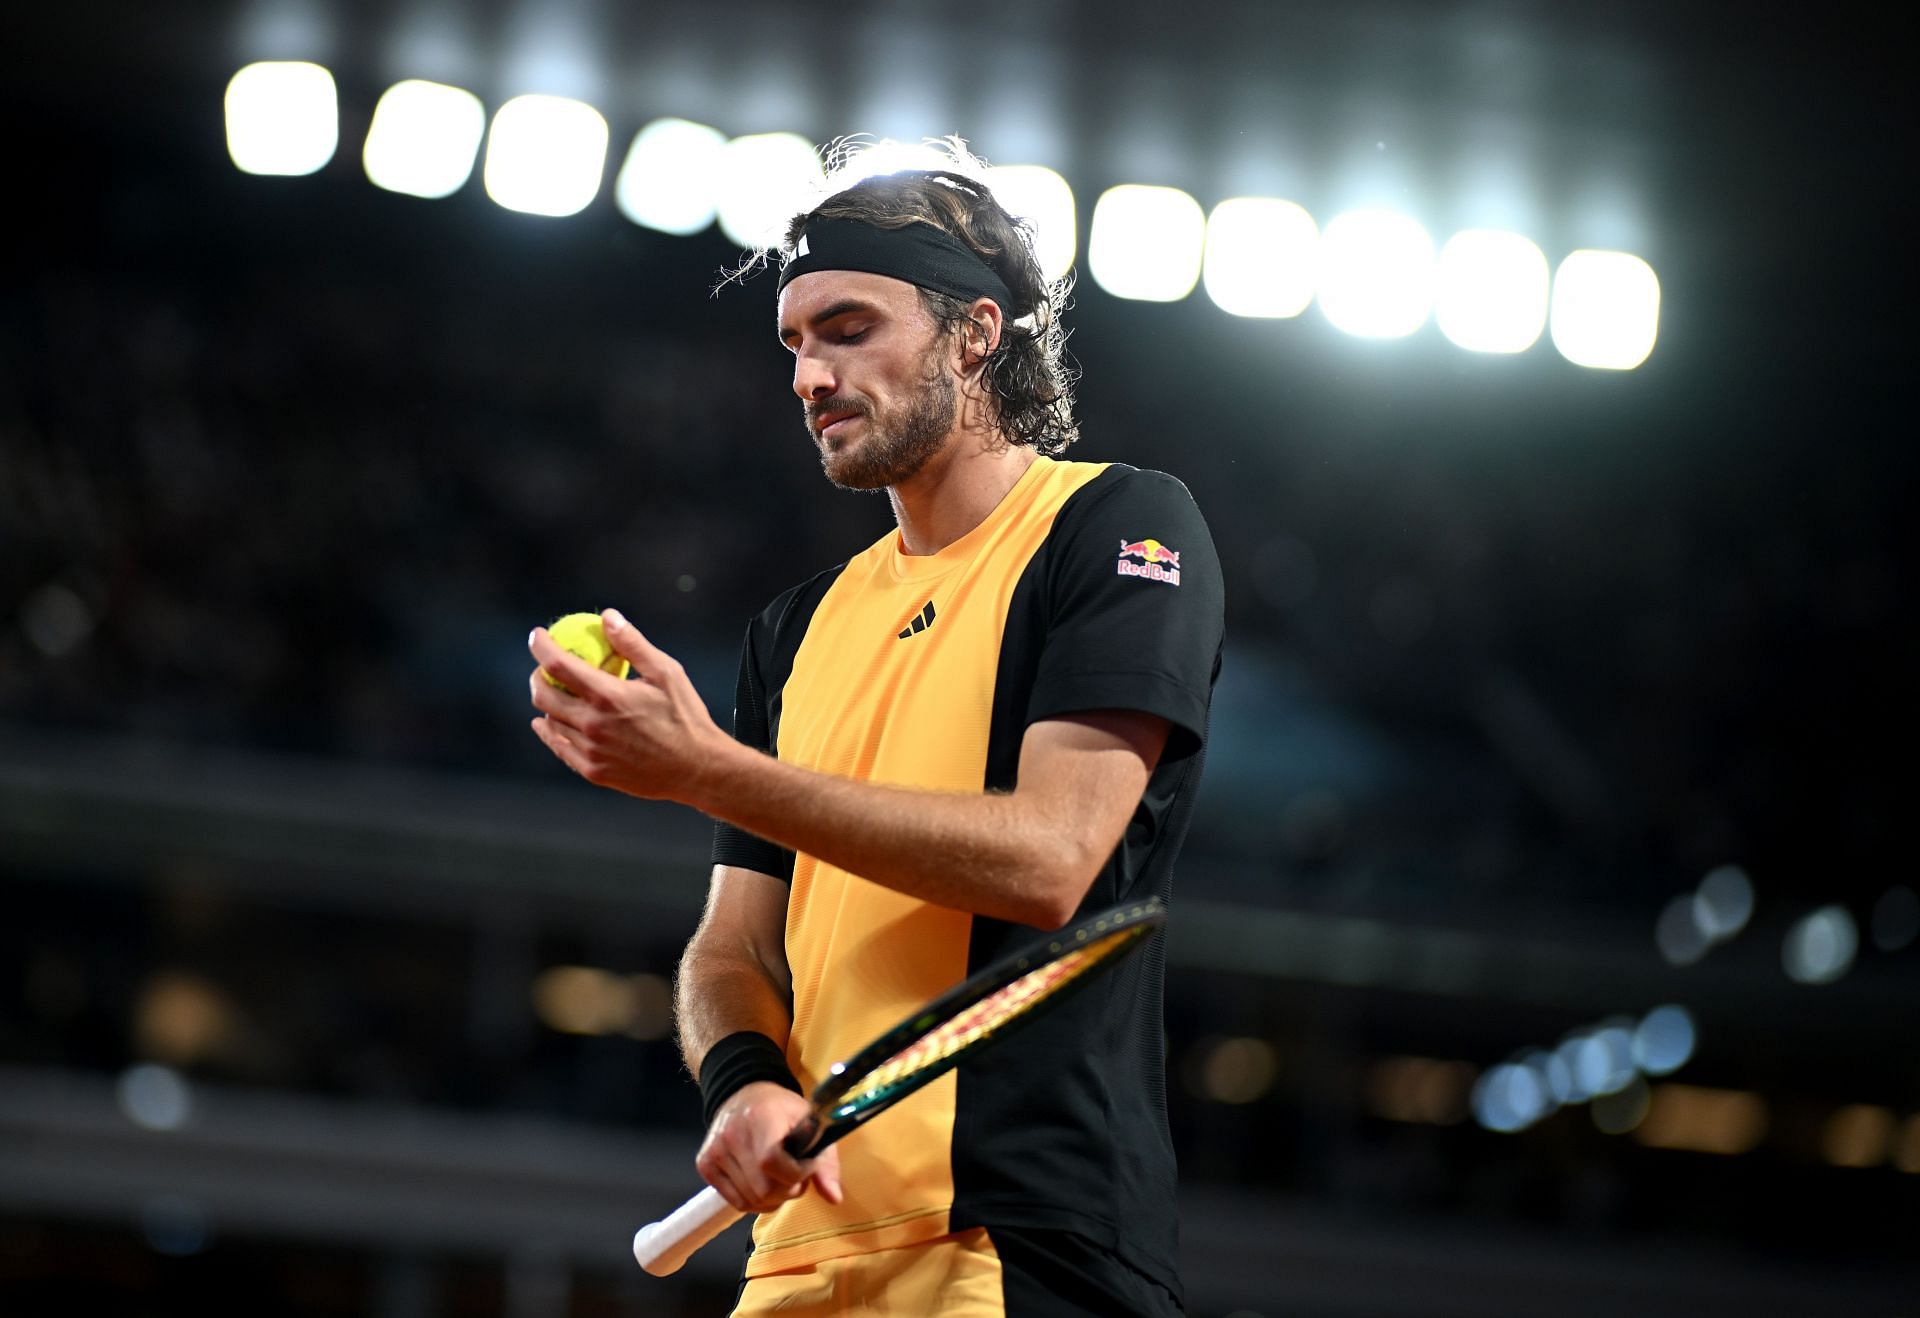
849, 473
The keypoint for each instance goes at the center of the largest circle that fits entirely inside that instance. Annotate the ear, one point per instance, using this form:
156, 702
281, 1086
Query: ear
982, 333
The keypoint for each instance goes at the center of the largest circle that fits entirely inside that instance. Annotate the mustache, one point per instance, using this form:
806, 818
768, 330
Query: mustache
827, 406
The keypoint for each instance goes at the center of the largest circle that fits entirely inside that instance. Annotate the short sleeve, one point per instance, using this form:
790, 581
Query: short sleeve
752, 726
1136, 608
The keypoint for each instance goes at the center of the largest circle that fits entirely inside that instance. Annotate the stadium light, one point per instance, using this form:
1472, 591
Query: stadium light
1376, 274
1260, 257
1492, 291
283, 117
1147, 242
423, 138
886, 156
1041, 197
764, 181
1606, 310
545, 155
667, 181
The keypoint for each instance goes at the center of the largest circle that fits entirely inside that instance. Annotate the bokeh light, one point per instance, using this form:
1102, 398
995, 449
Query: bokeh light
1604, 1062
424, 138
1510, 1097
669, 179
1820, 946
1260, 258
154, 1097
1606, 310
590, 1001
1858, 1135
1237, 1070
1376, 274
283, 117
1041, 197
1147, 242
1703, 1120
1723, 903
1906, 1145
1419, 1089
1677, 932
1491, 293
1664, 1040
765, 179
546, 155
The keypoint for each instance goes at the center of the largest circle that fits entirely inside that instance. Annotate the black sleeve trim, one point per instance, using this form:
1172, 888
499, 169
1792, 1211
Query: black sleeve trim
1149, 693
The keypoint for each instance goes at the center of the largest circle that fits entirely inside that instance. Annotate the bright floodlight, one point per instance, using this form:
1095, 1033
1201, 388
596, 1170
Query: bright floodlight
423, 138
1260, 257
545, 155
1492, 294
1041, 197
1147, 243
283, 117
886, 156
1606, 310
1376, 274
764, 181
667, 182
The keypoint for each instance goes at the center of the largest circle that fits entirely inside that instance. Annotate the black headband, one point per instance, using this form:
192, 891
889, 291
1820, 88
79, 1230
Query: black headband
922, 254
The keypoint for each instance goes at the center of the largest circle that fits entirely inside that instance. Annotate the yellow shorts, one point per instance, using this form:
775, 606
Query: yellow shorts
955, 1276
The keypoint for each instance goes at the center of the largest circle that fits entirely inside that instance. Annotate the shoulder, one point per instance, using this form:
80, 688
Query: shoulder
1138, 506
794, 605
1120, 488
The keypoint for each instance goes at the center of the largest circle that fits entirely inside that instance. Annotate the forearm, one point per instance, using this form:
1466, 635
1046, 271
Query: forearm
992, 854
720, 992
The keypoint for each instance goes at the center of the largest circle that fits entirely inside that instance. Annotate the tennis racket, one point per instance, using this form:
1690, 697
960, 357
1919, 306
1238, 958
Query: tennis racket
924, 1046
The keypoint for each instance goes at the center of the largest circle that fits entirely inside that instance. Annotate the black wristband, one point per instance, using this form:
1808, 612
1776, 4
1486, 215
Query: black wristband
737, 1061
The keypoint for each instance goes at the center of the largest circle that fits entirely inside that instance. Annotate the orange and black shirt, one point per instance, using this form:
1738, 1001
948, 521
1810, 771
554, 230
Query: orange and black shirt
1089, 587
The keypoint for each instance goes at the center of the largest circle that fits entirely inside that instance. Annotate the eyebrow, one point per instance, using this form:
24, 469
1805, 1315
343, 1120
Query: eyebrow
827, 313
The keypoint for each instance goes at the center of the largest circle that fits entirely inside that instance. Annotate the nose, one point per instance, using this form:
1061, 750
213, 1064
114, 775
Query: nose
812, 376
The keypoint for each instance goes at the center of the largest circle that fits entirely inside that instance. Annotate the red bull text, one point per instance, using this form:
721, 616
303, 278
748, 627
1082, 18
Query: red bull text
1156, 561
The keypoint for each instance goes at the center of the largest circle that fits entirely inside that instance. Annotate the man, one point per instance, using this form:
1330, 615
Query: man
981, 725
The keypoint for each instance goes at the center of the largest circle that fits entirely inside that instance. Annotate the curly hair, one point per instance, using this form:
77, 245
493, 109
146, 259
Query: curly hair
1028, 379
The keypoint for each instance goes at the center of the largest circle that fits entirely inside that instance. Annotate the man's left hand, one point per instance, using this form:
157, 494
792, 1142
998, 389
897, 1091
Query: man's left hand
651, 738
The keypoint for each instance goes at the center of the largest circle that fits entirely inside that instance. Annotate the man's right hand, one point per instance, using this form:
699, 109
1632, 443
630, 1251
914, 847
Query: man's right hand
742, 1158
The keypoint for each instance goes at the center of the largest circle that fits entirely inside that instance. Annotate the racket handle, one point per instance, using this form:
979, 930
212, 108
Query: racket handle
661, 1247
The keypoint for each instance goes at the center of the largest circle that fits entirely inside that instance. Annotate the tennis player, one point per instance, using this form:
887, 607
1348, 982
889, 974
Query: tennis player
975, 728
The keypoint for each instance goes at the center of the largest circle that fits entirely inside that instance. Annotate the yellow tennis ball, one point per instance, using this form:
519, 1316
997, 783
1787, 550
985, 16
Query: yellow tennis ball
582, 634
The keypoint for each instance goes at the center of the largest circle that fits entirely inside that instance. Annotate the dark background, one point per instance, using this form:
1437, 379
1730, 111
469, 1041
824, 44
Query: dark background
1517, 651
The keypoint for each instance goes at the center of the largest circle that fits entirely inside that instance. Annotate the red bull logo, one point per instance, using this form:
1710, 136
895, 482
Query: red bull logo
1156, 561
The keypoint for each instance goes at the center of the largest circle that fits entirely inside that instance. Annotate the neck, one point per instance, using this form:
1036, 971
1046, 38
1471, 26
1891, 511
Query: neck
957, 489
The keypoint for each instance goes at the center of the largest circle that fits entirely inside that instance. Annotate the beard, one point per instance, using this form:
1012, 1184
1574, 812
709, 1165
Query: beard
898, 442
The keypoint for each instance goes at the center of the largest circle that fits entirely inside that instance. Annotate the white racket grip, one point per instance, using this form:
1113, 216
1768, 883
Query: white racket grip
661, 1247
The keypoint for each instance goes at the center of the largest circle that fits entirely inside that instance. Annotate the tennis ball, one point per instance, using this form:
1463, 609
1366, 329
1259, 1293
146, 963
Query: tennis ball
582, 635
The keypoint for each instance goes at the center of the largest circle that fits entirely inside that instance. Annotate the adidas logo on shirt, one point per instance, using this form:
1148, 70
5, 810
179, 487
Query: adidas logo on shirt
921, 621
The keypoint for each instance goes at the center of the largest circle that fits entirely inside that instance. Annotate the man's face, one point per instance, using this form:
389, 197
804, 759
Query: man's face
871, 371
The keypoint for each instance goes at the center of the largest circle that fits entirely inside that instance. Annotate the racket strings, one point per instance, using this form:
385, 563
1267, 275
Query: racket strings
991, 1013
